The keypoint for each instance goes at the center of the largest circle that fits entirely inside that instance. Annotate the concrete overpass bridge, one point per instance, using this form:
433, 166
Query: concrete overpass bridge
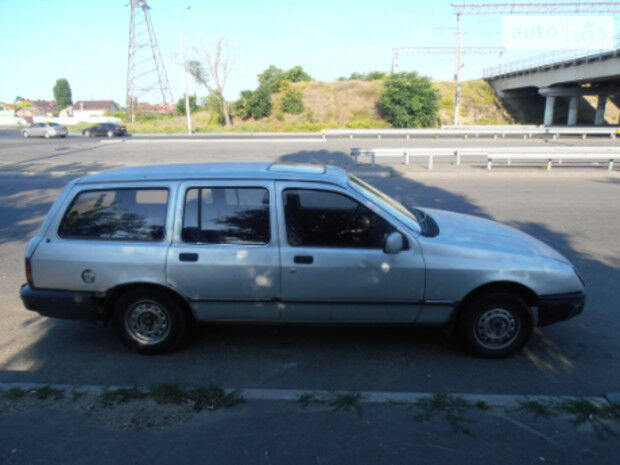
567, 74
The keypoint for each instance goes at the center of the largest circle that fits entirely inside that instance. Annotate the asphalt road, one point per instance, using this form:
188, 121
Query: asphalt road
577, 212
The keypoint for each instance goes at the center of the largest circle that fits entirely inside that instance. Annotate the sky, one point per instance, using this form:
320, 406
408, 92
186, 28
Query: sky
86, 41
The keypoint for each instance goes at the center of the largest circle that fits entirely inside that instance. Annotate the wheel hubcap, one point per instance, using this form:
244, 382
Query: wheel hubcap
496, 328
148, 322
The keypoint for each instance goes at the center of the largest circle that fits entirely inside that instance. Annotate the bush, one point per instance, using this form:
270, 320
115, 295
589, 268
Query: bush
193, 106
409, 100
255, 104
292, 102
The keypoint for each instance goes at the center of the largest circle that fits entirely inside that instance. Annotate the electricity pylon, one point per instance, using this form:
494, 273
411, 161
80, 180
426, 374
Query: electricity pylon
146, 72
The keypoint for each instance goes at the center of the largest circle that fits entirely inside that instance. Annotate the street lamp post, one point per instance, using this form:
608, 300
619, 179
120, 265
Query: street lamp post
187, 113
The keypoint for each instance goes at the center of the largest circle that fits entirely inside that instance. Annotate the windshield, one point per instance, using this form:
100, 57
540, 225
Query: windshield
384, 200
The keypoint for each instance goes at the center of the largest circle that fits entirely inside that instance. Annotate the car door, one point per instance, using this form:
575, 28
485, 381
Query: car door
333, 264
224, 256
38, 129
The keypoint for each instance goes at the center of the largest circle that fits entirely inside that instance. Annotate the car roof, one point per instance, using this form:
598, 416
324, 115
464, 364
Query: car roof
190, 171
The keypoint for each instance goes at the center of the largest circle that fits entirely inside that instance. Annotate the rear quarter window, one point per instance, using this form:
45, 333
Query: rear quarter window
116, 214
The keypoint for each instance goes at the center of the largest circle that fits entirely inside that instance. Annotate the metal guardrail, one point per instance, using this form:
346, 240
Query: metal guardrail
549, 59
525, 132
609, 154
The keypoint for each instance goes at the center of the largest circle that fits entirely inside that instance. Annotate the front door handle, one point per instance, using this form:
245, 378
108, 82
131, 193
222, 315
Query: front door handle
304, 259
188, 257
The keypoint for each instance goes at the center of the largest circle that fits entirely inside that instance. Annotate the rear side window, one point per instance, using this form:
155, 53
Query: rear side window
117, 214
226, 215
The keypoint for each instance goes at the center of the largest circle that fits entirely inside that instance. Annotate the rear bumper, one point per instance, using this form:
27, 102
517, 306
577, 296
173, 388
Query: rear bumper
559, 307
69, 305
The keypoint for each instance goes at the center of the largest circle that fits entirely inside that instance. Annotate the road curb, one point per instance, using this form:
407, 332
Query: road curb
370, 397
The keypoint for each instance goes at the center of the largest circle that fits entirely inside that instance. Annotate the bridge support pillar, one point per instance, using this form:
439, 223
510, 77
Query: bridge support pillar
573, 108
599, 116
549, 106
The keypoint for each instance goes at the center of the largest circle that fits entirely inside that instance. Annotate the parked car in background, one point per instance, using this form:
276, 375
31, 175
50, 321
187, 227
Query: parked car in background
155, 248
46, 130
105, 129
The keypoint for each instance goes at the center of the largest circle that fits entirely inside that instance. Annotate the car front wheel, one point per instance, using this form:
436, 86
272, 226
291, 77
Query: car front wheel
87, 133
150, 320
495, 325
25, 134
110, 133
47, 135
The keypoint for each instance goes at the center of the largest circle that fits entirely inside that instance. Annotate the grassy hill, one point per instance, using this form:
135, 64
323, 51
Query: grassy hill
345, 104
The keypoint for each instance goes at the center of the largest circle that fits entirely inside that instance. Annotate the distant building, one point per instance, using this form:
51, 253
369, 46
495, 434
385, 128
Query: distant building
148, 108
87, 108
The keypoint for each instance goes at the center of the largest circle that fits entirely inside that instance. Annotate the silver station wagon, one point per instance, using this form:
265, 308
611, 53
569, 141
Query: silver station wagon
155, 249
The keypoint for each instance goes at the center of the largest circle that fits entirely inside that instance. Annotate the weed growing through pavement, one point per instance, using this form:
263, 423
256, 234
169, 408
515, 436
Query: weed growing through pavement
451, 407
337, 402
15, 393
45, 392
122, 395
584, 411
537, 408
210, 397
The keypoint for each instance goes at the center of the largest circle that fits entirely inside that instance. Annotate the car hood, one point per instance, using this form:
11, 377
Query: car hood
473, 231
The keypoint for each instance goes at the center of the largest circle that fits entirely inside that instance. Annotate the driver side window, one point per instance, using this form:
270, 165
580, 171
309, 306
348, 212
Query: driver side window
329, 219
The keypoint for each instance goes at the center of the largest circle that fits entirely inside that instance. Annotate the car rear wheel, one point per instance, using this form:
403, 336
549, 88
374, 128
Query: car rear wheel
150, 320
495, 325
110, 133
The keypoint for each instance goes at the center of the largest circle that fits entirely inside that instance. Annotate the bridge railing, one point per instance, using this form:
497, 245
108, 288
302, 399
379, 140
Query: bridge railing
556, 56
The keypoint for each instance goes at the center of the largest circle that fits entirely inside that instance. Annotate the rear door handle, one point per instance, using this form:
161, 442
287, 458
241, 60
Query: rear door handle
188, 257
304, 259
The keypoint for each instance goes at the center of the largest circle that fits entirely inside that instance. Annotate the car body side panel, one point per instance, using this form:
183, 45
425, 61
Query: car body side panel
454, 271
58, 263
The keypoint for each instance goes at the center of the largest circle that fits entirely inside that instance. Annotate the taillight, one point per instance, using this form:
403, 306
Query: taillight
29, 273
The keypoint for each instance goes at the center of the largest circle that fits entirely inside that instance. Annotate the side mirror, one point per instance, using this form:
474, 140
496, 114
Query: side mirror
394, 243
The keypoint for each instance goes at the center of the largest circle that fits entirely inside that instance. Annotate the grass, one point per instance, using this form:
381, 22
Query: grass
15, 393
122, 395
584, 411
337, 402
45, 392
210, 397
345, 402
451, 407
536, 408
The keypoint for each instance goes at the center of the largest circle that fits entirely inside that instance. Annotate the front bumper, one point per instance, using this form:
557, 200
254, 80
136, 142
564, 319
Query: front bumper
559, 307
69, 305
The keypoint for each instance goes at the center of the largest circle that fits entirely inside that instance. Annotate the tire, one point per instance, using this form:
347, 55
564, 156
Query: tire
25, 134
110, 133
495, 325
87, 133
149, 320
47, 135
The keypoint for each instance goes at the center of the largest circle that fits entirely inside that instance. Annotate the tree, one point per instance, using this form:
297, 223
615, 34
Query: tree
297, 74
62, 94
409, 100
272, 78
192, 105
213, 74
